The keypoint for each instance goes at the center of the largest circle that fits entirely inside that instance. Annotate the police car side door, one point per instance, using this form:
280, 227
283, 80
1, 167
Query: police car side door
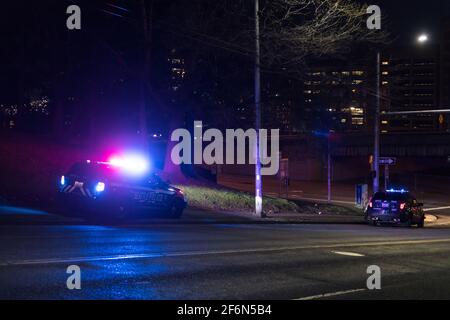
153, 193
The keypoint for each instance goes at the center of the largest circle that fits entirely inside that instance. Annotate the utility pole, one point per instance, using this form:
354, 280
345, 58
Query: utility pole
386, 176
329, 170
376, 152
146, 8
258, 177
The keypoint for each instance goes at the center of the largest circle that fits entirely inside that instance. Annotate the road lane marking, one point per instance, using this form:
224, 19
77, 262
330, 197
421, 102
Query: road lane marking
346, 253
435, 209
331, 294
218, 252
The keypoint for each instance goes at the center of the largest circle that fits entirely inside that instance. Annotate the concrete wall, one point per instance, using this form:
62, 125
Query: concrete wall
348, 168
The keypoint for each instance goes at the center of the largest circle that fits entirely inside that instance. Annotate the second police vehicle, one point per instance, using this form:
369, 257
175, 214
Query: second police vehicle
395, 206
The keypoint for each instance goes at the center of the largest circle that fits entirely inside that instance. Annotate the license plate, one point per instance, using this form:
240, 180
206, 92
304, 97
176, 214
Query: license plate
385, 205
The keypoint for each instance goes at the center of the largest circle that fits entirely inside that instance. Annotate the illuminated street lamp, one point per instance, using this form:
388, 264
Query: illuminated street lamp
422, 38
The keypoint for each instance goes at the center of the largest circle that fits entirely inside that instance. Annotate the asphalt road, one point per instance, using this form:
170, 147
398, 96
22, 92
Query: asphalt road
208, 258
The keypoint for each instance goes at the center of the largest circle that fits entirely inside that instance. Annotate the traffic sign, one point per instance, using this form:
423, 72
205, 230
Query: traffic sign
390, 161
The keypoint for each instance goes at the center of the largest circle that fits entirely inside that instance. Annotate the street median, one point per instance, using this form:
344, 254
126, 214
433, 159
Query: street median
241, 204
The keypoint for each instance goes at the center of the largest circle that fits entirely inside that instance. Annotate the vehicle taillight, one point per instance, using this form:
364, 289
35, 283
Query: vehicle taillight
370, 203
402, 206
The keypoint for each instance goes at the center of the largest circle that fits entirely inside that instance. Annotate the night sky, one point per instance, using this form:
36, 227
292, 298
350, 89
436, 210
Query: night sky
24, 20
407, 18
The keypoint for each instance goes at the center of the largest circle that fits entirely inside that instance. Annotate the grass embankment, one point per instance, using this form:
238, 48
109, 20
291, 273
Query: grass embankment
212, 198
229, 200
324, 208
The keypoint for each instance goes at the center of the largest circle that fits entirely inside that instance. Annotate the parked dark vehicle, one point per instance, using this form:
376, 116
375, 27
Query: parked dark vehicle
105, 190
395, 207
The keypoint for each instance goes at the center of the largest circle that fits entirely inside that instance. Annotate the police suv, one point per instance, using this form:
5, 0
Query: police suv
396, 206
109, 189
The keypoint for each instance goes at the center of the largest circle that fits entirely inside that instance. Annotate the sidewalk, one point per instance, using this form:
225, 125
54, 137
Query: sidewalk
196, 216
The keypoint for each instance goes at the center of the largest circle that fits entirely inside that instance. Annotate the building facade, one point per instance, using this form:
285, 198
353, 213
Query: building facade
410, 82
445, 66
336, 98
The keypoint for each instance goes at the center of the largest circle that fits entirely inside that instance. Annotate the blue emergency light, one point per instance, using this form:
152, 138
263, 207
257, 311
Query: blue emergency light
397, 190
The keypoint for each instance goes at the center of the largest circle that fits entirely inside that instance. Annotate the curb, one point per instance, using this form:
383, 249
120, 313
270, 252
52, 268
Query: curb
440, 221
430, 218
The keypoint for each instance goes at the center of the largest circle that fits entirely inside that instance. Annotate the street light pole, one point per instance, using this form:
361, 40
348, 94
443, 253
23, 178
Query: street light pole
258, 177
421, 39
376, 152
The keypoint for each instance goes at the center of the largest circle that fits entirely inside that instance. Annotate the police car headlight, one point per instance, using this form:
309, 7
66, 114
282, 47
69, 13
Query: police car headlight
100, 187
63, 180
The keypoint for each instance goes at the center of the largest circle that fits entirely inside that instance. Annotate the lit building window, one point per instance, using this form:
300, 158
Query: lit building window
385, 63
358, 73
358, 121
354, 111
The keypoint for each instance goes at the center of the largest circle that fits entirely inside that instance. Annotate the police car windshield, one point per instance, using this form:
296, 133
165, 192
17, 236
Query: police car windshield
391, 196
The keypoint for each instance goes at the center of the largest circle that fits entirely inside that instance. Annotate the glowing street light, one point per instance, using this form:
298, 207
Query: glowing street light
422, 38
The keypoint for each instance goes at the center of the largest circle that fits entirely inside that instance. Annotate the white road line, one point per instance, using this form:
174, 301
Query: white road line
218, 252
436, 209
346, 253
332, 294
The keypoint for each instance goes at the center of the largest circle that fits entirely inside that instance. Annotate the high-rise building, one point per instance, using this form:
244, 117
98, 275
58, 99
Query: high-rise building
410, 82
177, 71
444, 89
336, 98
280, 99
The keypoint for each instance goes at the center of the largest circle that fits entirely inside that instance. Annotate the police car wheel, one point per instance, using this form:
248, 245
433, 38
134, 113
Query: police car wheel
121, 212
175, 211
421, 223
409, 223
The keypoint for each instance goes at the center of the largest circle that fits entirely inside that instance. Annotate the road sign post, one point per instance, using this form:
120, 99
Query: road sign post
387, 161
